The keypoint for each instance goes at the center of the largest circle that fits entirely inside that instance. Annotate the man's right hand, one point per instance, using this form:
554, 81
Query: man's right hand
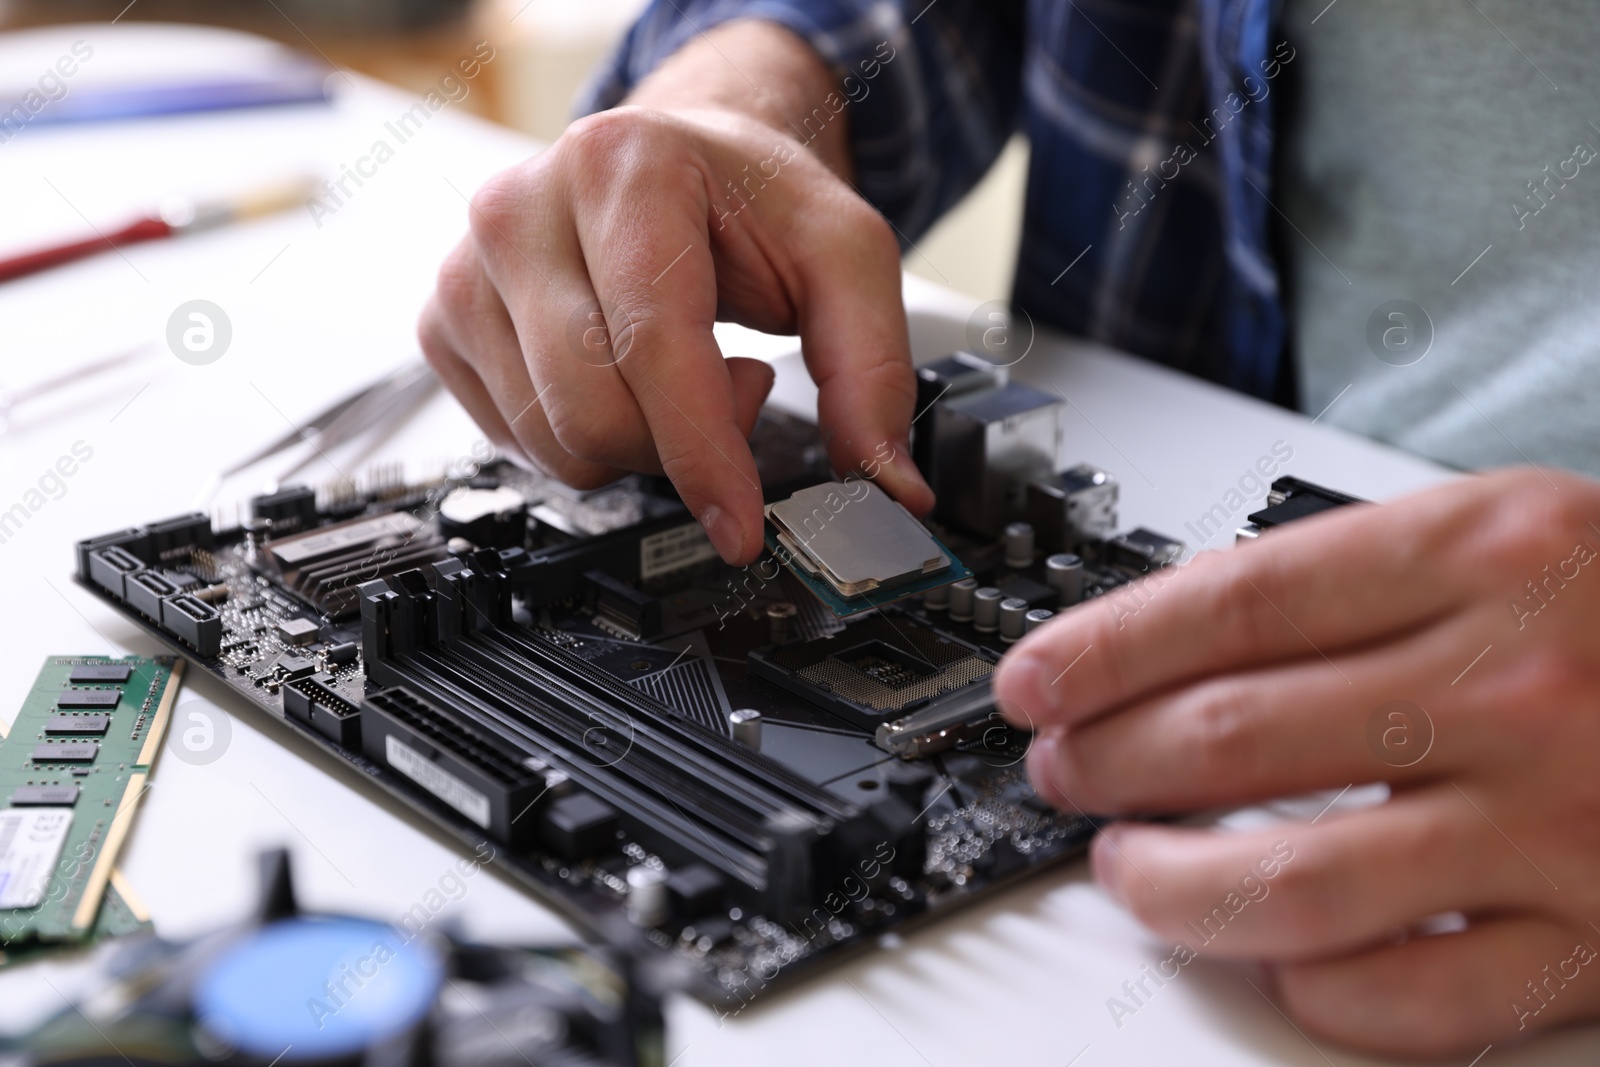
574, 322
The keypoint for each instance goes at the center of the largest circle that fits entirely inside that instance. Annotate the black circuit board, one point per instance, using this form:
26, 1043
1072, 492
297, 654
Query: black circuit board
654, 615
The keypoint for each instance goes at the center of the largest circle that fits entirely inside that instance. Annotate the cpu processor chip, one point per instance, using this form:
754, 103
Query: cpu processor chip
855, 547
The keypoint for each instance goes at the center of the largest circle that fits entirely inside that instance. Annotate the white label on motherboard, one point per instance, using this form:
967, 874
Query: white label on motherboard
30, 844
668, 550
436, 780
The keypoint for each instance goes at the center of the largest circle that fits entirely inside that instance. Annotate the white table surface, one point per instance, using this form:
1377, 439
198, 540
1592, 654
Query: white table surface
1023, 978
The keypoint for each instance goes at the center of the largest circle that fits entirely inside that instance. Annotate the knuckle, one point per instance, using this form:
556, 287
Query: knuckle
500, 201
855, 224
1537, 696
1306, 904
580, 431
549, 457
1219, 745
1524, 524
597, 145
891, 373
1146, 903
1078, 774
431, 337
585, 476
1242, 604
1421, 1012
877, 236
694, 470
457, 283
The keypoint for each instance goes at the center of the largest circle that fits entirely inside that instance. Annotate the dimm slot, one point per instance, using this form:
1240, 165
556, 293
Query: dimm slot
438, 682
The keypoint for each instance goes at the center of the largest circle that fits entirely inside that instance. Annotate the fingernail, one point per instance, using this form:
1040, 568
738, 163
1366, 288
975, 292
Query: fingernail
1106, 863
1023, 682
906, 468
727, 537
1043, 758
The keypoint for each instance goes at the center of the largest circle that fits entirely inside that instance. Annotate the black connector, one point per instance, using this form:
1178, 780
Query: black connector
579, 825
289, 510
175, 538
695, 890
1142, 551
1293, 498
194, 622
314, 702
134, 540
110, 567
145, 591
449, 756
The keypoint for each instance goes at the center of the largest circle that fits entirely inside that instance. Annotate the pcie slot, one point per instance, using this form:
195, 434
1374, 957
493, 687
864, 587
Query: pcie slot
674, 728
445, 682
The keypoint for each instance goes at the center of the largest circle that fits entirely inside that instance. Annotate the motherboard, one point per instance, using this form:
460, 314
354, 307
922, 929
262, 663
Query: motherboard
744, 771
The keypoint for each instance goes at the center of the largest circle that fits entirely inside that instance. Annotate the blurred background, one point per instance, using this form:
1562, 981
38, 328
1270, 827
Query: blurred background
545, 50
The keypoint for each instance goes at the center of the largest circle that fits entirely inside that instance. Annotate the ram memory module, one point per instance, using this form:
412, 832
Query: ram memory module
72, 771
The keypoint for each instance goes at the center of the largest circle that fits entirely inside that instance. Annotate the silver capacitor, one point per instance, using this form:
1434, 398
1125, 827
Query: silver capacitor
1064, 573
1012, 612
1019, 544
962, 596
746, 726
986, 609
647, 895
1035, 619
780, 620
936, 599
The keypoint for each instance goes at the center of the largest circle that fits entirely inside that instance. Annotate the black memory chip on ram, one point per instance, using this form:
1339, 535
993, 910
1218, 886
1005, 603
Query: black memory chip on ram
90, 673
89, 698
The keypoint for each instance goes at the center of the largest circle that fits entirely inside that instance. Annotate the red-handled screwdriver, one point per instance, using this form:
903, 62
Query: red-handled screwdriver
176, 215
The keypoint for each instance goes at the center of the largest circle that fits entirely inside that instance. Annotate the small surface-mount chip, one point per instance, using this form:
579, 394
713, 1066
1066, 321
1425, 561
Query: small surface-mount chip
66, 752
298, 631
81, 725
856, 548
90, 673
89, 698
293, 667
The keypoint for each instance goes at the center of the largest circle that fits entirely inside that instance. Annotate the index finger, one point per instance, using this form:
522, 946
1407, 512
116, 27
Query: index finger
1351, 577
855, 343
656, 282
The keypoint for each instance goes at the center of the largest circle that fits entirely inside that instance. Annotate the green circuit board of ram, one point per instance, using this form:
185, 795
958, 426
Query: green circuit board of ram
73, 768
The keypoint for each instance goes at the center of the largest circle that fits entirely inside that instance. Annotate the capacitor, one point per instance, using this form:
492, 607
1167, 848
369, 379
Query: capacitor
780, 616
986, 609
1035, 619
962, 595
1064, 573
746, 726
1019, 544
936, 599
647, 895
256, 531
1012, 610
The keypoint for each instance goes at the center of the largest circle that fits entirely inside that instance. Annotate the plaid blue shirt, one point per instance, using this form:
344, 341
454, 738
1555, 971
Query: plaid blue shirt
1150, 123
